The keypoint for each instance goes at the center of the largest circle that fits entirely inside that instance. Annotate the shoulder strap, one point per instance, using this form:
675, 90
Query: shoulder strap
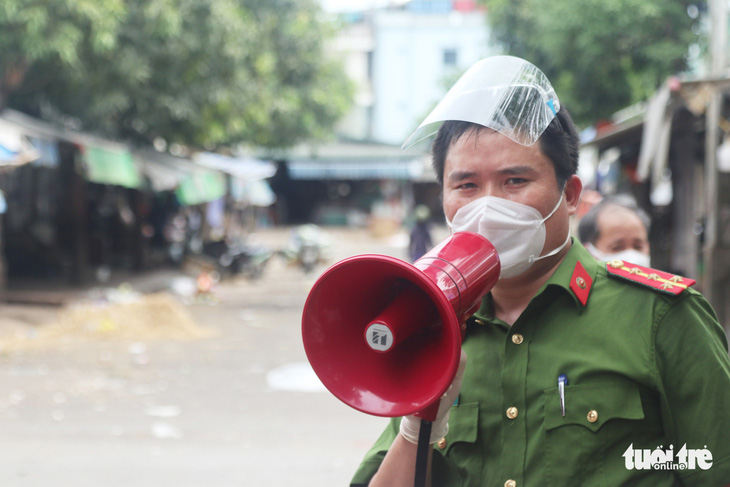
648, 277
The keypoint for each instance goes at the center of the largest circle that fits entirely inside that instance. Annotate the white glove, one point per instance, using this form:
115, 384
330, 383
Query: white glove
410, 425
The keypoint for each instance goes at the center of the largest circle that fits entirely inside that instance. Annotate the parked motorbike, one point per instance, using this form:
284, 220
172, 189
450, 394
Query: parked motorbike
182, 237
176, 237
237, 257
308, 247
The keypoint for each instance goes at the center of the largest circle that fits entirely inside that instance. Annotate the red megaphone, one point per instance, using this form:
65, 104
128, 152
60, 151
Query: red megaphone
384, 336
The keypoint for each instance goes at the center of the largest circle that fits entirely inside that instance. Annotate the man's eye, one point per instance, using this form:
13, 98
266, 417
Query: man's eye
467, 186
516, 180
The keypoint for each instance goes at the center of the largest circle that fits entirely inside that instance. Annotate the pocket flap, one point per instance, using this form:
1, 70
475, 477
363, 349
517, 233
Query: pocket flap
463, 424
592, 405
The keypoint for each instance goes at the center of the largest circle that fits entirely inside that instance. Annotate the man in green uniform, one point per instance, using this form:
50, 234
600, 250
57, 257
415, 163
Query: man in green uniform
579, 373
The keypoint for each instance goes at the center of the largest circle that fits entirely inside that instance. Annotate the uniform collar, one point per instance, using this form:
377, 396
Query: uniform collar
575, 276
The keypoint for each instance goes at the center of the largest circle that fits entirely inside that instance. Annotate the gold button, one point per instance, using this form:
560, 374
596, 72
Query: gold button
479, 322
441, 443
592, 415
517, 339
510, 483
512, 412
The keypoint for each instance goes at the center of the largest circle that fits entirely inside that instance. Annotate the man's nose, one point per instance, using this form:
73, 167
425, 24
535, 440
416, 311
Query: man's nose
491, 190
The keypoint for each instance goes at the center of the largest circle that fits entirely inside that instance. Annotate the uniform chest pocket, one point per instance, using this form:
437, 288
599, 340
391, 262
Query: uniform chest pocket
458, 455
463, 426
597, 417
593, 405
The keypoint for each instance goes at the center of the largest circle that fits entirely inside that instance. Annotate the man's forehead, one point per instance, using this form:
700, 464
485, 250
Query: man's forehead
461, 174
487, 141
485, 149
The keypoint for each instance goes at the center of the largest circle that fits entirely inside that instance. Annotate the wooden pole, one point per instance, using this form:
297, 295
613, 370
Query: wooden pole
718, 42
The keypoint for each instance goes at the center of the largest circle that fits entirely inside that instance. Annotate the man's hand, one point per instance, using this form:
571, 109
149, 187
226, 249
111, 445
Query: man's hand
410, 425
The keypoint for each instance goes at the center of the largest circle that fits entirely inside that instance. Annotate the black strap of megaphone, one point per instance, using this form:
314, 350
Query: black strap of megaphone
424, 437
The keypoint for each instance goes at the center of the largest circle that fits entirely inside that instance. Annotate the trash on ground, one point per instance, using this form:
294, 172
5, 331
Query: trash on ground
156, 316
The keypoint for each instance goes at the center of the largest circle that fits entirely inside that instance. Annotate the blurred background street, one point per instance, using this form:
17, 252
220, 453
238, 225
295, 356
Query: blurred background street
185, 391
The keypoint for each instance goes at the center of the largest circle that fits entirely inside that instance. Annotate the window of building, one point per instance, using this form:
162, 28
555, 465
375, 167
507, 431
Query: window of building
449, 57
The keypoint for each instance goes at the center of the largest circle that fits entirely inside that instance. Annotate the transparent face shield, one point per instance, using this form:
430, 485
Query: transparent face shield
504, 93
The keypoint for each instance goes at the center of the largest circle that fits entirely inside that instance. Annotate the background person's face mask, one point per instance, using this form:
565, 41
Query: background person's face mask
627, 255
517, 231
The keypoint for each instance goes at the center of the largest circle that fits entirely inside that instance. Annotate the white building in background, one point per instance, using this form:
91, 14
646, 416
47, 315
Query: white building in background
403, 59
403, 56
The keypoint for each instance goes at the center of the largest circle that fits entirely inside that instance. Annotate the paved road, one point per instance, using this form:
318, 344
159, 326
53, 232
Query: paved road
240, 407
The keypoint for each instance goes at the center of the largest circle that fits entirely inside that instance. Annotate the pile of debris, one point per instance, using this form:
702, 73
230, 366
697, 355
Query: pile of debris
121, 315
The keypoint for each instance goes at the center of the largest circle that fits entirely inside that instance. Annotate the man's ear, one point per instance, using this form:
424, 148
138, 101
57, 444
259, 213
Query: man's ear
573, 190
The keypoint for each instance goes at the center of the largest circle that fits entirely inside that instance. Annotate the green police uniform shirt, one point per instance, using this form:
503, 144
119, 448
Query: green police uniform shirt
647, 400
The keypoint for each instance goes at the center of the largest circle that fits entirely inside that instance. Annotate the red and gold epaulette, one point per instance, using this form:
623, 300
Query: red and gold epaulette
659, 280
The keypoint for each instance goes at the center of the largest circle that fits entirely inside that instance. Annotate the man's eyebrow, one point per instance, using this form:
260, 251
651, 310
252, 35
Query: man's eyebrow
516, 170
457, 176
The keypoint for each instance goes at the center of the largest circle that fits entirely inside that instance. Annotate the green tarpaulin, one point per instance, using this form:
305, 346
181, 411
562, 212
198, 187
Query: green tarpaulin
201, 187
105, 166
117, 167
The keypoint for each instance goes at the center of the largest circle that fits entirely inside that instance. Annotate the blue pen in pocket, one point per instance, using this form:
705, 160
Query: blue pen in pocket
562, 382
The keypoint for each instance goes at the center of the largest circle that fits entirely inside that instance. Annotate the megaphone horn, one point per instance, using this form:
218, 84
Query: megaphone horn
384, 336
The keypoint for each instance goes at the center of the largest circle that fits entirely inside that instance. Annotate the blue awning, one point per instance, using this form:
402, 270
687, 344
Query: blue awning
47, 150
343, 170
15, 148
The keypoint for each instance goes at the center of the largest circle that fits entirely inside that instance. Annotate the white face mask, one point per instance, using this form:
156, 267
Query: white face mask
517, 231
627, 255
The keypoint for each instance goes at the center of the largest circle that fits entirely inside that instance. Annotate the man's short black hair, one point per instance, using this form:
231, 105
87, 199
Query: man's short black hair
559, 142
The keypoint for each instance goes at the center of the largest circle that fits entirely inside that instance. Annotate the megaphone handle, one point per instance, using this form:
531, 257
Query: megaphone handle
427, 415
424, 436
430, 412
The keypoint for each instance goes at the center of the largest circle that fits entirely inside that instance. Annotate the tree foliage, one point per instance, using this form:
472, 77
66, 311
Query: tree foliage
36, 32
199, 72
600, 55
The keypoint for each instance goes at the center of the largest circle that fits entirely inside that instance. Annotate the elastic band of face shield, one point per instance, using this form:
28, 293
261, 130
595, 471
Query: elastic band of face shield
504, 93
